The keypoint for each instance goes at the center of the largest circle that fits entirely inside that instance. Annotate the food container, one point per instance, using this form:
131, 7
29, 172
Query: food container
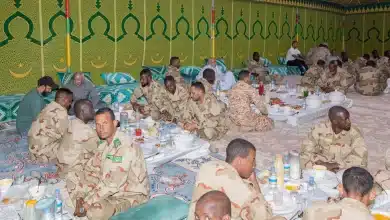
37, 192
336, 97
5, 184
313, 101
295, 166
184, 140
45, 209
319, 171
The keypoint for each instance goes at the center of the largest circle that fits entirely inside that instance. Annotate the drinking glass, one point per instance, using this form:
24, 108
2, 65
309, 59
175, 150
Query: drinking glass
278, 198
306, 93
124, 120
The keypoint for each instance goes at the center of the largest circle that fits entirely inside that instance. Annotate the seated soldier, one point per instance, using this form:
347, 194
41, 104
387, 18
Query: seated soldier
256, 67
334, 143
208, 80
240, 112
150, 90
370, 80
236, 178
375, 56
335, 78
204, 114
214, 205
357, 192
384, 60
174, 69
114, 179
48, 129
309, 80
79, 139
361, 61
174, 99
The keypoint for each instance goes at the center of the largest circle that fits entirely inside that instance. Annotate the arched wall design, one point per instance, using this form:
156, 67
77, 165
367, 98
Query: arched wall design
107, 37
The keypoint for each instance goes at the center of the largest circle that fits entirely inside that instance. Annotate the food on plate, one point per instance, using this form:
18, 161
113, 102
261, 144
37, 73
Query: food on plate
140, 140
292, 187
157, 145
276, 101
5, 201
296, 107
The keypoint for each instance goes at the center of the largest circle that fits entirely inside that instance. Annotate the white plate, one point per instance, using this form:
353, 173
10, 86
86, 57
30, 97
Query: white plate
329, 180
149, 148
278, 117
382, 201
286, 208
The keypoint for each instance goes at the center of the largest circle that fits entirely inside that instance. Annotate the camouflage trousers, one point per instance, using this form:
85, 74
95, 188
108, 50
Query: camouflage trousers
253, 122
103, 209
44, 154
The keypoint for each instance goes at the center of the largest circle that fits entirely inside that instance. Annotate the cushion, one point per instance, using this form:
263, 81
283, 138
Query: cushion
158, 72
161, 207
266, 61
282, 60
190, 72
117, 78
64, 78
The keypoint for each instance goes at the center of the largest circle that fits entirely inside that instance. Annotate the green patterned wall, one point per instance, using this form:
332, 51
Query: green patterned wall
365, 32
122, 35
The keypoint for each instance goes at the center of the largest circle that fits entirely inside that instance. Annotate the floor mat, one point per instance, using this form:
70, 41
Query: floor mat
14, 158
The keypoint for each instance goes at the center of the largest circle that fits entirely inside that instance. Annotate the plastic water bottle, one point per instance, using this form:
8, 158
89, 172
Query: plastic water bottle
273, 84
272, 179
218, 88
276, 193
58, 211
312, 186
286, 84
286, 165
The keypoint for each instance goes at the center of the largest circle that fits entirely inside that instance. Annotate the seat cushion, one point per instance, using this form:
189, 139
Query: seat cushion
190, 72
117, 78
158, 72
161, 207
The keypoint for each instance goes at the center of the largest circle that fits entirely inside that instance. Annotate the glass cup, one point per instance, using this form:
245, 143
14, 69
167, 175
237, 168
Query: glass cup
278, 198
124, 120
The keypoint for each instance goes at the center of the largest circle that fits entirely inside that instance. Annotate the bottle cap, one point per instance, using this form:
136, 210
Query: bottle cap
31, 203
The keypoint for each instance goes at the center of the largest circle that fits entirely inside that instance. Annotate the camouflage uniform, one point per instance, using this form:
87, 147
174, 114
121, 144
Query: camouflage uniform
240, 113
46, 133
208, 87
79, 137
317, 53
175, 72
360, 62
175, 104
311, 76
371, 81
382, 61
113, 180
339, 81
347, 148
247, 203
209, 116
349, 209
152, 95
